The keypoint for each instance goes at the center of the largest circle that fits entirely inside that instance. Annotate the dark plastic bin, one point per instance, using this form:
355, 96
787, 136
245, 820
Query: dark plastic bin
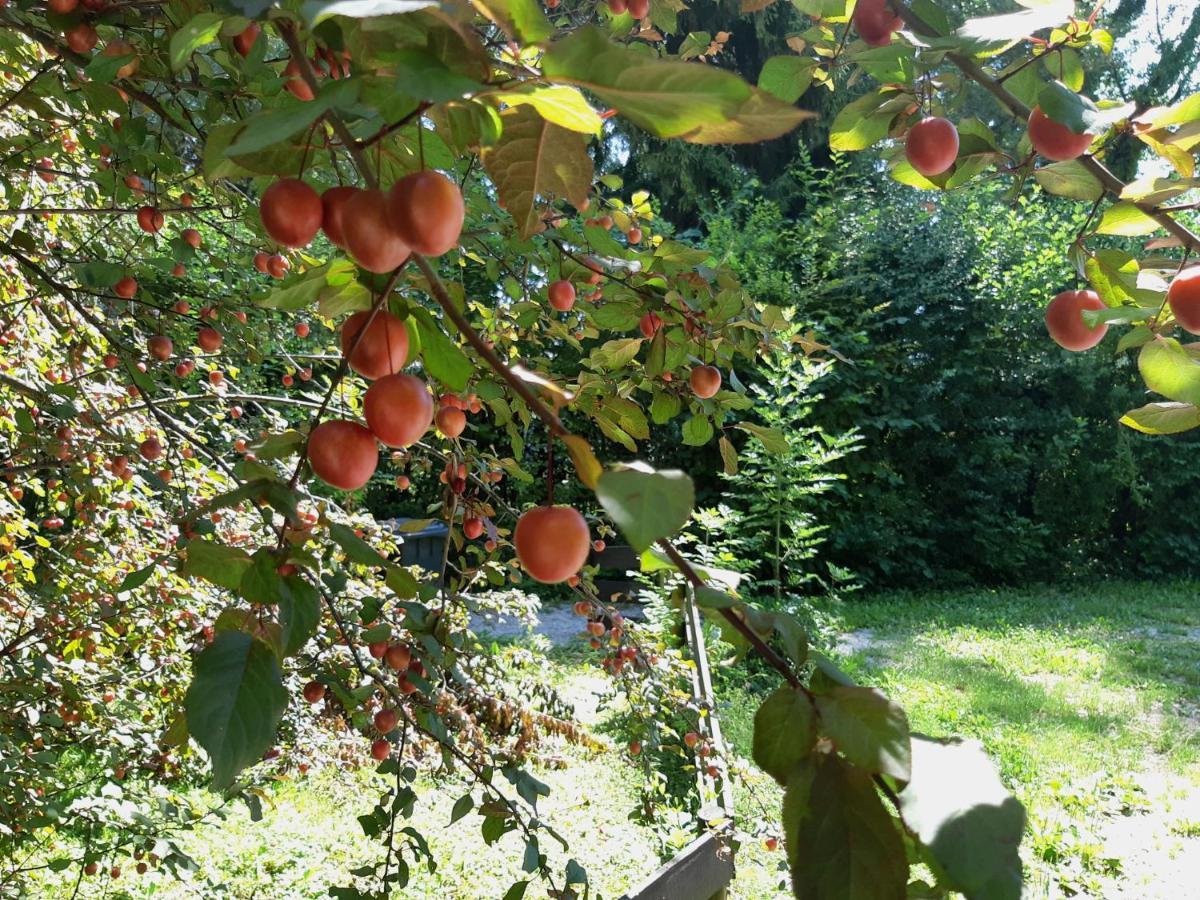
421, 548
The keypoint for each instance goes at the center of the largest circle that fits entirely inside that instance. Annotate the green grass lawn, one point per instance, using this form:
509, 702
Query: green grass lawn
1088, 698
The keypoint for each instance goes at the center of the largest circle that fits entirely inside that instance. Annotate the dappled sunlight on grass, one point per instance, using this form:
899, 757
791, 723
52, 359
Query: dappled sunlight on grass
1088, 700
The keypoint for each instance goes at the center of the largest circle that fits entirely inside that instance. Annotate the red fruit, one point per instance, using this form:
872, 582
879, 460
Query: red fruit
1065, 323
314, 692
398, 409
472, 527
381, 750
398, 657
333, 203
277, 266
295, 83
260, 261
705, 381
209, 339
150, 449
291, 212
385, 720
561, 294
160, 346
243, 41
44, 165
111, 361
639, 9
62, 7
185, 200
370, 236
82, 38
552, 542
301, 329
932, 146
598, 546
184, 368
126, 287
1054, 140
342, 454
649, 324
634, 235
192, 237
149, 219
451, 421
377, 649
617, 7
691, 739
383, 348
403, 482
427, 212
1184, 297
875, 22
178, 270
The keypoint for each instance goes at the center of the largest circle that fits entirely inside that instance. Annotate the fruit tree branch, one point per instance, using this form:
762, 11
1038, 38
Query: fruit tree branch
1017, 108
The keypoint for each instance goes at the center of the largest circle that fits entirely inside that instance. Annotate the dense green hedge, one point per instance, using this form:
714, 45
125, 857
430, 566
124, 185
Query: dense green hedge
989, 454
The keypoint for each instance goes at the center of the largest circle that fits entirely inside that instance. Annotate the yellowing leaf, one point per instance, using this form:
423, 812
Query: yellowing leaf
694, 102
537, 159
564, 106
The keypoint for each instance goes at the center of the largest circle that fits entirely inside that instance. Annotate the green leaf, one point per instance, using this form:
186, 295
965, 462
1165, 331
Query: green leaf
268, 127
646, 504
1125, 218
664, 407
693, 102
617, 354
697, 431
442, 358
516, 891
1113, 275
786, 77
261, 583
536, 158
306, 289
199, 30
1170, 370
134, 580
234, 703
1069, 179
559, 104
299, 613
959, 809
870, 730
785, 732
1065, 106
357, 550
522, 20
216, 563
841, 840
317, 11
892, 63
421, 74
861, 123
773, 440
1163, 418
462, 806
